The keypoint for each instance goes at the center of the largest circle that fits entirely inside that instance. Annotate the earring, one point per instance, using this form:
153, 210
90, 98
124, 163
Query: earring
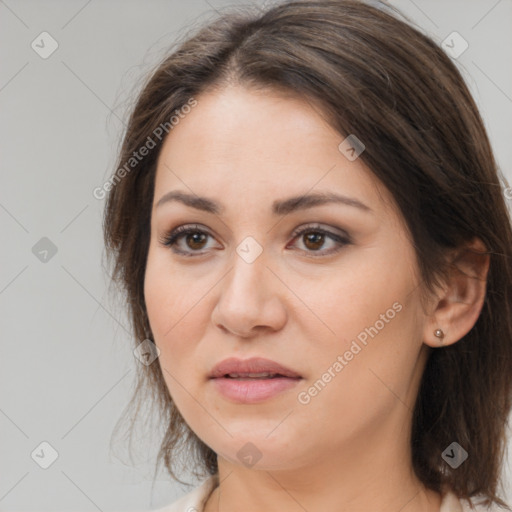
438, 333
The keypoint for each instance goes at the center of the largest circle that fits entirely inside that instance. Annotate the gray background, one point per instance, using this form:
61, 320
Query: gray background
67, 369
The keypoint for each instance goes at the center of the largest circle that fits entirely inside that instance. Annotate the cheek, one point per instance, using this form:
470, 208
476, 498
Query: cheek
359, 293
179, 312
169, 294
371, 311
167, 301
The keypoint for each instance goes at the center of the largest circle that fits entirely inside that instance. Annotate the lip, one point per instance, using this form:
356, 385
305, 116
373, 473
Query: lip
252, 390
252, 365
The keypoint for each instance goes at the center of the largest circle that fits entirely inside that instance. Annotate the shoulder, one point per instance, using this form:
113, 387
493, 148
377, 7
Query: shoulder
451, 503
193, 501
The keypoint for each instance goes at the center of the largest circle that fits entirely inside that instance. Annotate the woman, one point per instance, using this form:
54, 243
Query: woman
308, 221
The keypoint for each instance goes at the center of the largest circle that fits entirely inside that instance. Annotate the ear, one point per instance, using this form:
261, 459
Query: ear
459, 302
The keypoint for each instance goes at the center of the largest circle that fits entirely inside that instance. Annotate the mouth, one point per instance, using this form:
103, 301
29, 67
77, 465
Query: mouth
253, 390
253, 368
251, 376
252, 380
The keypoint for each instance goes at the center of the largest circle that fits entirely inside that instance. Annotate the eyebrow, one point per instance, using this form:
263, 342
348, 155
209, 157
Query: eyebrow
279, 207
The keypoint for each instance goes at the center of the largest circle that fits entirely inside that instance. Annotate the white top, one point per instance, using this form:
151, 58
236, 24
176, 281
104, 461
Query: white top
195, 501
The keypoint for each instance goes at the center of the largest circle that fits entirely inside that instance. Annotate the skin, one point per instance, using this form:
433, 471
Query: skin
348, 448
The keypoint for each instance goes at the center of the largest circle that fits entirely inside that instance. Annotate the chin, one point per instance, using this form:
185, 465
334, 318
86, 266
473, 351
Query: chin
255, 449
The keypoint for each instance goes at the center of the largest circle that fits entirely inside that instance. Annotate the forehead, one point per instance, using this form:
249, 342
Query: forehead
237, 123
259, 142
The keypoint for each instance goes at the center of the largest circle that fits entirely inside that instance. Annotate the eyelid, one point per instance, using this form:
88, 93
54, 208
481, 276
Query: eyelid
312, 226
342, 238
170, 237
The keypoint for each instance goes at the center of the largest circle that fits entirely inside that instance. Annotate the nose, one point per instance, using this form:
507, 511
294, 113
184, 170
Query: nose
251, 299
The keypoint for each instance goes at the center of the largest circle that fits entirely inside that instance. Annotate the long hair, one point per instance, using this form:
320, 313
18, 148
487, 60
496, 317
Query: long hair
376, 76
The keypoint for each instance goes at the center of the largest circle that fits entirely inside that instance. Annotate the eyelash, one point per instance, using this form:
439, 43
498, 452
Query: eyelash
171, 238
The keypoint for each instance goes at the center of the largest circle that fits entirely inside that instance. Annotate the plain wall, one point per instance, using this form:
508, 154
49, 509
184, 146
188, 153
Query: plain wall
67, 367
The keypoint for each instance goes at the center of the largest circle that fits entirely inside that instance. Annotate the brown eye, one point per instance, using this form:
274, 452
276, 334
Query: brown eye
186, 240
195, 240
192, 241
314, 240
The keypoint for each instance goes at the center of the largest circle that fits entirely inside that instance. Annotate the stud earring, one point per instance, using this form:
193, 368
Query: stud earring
438, 333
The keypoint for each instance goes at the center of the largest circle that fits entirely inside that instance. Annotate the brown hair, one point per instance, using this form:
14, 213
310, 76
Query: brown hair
379, 78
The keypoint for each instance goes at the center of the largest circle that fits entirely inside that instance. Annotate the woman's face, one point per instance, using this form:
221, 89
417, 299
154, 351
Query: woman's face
337, 304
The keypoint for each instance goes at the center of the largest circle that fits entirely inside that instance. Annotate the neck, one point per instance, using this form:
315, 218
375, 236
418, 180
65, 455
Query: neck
371, 479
